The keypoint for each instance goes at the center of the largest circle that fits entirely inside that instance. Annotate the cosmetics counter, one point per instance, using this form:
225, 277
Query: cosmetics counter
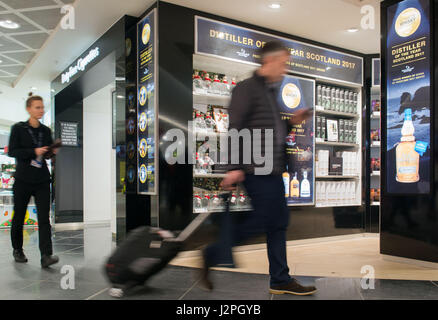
7, 169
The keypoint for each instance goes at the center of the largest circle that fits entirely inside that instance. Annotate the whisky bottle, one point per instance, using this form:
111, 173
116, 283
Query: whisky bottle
407, 159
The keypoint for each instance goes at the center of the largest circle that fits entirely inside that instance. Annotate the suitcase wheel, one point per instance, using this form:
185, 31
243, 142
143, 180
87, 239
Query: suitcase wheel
116, 292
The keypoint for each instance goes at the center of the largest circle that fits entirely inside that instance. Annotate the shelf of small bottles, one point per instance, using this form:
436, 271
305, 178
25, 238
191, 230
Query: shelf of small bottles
320, 110
213, 99
210, 176
337, 144
222, 210
375, 144
375, 174
337, 177
336, 205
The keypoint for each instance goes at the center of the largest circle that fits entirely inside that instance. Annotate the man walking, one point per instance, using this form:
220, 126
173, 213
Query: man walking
254, 106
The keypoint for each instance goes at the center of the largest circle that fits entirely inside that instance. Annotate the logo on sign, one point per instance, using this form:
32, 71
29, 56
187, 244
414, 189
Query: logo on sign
243, 53
143, 147
408, 22
143, 95
131, 174
146, 34
131, 150
143, 122
291, 96
408, 69
81, 64
143, 173
130, 126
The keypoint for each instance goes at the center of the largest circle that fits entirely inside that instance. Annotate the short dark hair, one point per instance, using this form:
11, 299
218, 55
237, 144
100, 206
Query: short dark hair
271, 47
32, 98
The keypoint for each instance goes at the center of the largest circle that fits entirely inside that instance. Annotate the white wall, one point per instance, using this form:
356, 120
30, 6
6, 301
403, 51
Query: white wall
12, 101
99, 157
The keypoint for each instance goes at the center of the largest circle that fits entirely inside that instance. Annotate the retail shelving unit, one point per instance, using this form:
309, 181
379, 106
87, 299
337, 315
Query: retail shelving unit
206, 184
7, 170
340, 103
375, 146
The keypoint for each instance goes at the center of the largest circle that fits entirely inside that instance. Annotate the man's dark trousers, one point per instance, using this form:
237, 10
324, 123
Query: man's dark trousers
270, 216
22, 193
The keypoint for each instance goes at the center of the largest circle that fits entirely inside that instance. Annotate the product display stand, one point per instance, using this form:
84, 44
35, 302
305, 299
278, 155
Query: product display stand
338, 144
213, 81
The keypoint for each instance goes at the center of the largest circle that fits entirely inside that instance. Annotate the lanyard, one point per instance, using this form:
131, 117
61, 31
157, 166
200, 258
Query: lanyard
38, 143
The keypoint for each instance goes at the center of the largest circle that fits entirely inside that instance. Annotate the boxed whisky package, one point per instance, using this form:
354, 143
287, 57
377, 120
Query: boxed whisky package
341, 130
323, 128
318, 127
335, 168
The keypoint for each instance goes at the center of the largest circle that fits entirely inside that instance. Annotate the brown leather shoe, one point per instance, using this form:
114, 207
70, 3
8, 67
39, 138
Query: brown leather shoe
293, 287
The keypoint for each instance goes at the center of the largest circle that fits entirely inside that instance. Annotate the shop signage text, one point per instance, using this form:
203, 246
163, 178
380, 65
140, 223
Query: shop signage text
81, 64
240, 44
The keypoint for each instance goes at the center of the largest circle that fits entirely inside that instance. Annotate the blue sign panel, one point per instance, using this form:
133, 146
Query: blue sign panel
297, 94
241, 44
146, 105
408, 82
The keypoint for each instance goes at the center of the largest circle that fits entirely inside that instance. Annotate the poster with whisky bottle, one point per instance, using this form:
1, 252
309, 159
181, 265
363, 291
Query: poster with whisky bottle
146, 104
408, 97
296, 94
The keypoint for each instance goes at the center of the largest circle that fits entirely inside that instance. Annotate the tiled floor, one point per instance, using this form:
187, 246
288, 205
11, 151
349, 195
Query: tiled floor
87, 250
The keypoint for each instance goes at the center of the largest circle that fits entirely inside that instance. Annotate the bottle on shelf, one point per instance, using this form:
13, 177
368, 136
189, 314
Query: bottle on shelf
225, 87
233, 201
207, 84
197, 201
407, 159
243, 200
199, 123
210, 123
305, 187
233, 84
295, 187
286, 179
216, 86
319, 95
198, 87
205, 201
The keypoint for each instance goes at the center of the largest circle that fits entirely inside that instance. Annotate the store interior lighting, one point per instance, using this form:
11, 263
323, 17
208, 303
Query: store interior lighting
8, 24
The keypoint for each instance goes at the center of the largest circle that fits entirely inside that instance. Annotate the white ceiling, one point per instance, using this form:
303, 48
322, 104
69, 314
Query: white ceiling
325, 21
38, 19
42, 50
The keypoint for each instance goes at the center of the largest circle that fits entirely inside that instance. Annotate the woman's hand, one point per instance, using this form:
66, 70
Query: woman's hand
41, 151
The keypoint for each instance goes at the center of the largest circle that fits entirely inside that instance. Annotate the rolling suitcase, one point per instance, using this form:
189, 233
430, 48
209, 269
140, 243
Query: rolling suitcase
144, 253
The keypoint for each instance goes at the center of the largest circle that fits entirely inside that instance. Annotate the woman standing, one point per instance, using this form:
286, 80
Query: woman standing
29, 145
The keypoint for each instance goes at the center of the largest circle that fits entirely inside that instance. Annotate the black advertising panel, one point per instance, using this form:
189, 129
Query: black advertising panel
240, 44
297, 94
408, 98
146, 104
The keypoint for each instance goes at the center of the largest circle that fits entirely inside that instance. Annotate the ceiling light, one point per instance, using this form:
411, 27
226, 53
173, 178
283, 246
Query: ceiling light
353, 30
1, 61
8, 24
275, 6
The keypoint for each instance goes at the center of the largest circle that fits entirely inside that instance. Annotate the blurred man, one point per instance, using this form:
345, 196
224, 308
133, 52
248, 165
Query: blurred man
254, 106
